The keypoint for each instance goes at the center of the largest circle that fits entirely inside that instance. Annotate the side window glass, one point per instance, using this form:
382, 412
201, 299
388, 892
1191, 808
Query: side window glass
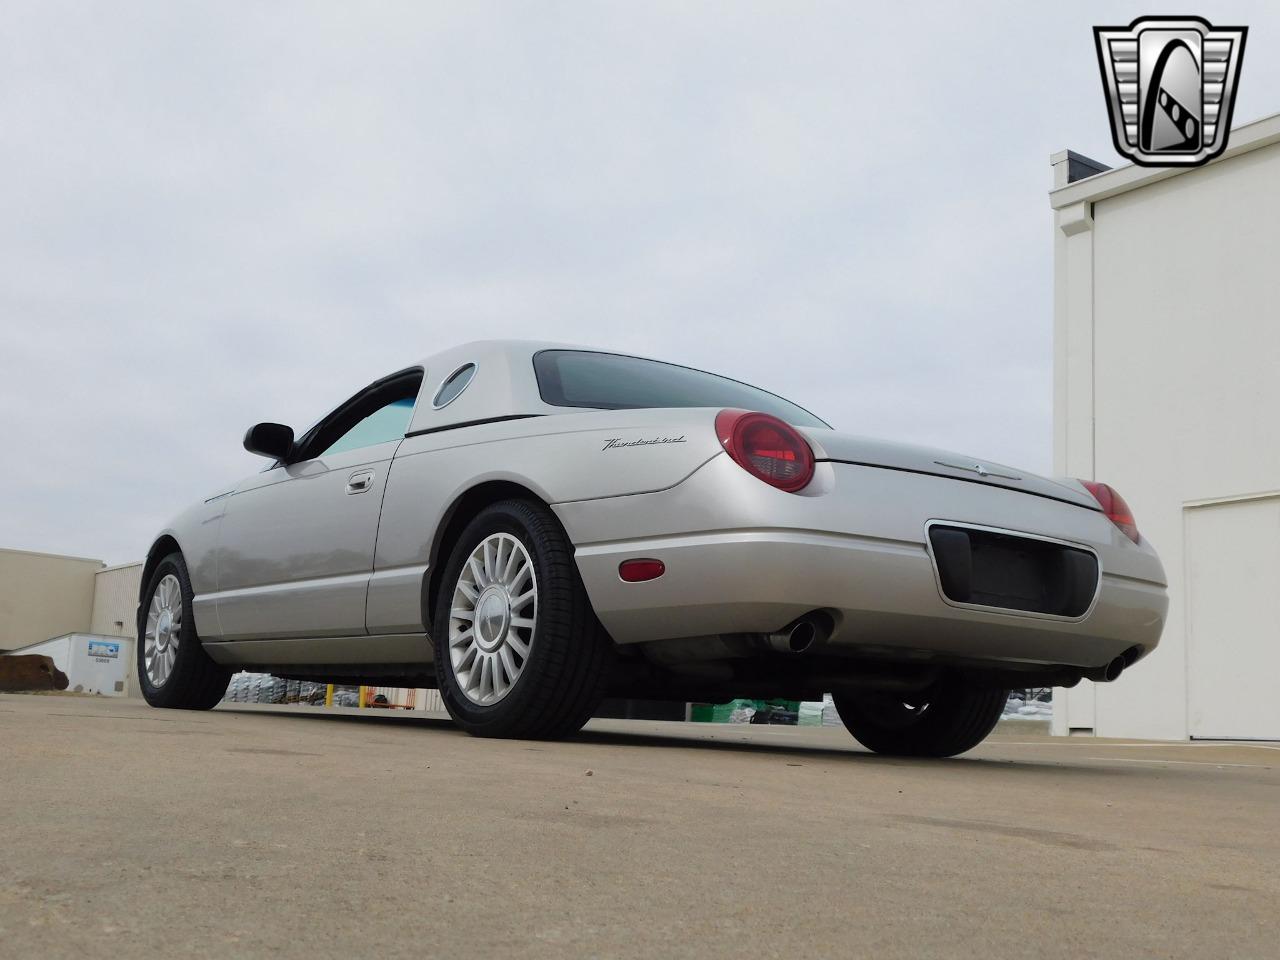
453, 385
388, 422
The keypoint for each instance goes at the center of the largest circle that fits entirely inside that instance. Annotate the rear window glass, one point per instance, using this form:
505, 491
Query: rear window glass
609, 381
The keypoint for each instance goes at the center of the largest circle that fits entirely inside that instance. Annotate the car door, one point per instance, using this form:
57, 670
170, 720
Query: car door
298, 539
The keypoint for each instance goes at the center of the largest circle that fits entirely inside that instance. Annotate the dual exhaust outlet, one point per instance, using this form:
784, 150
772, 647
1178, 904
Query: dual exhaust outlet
814, 628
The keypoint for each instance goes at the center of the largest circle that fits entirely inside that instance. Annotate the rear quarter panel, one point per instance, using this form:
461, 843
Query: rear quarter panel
561, 458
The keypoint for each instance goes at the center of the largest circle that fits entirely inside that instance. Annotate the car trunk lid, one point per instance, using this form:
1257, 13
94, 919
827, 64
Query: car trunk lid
886, 454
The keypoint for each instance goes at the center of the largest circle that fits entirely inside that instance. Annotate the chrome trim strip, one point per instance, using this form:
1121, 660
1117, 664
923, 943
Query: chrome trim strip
471, 423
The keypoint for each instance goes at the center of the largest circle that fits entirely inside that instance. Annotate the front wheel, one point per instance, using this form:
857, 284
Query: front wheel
518, 650
945, 720
173, 668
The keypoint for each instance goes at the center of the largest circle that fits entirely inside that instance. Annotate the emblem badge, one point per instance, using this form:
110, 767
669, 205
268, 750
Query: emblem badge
617, 443
977, 468
1170, 84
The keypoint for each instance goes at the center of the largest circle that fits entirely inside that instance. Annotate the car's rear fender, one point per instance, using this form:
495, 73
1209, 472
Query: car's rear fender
566, 457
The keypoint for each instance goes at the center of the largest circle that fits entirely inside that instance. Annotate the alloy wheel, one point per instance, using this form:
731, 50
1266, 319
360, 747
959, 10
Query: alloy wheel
163, 631
492, 618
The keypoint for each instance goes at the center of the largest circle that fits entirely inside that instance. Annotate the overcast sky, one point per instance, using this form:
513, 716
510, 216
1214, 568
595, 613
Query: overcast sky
223, 213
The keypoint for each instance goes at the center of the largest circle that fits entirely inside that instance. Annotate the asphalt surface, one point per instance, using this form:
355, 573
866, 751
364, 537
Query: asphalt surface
296, 832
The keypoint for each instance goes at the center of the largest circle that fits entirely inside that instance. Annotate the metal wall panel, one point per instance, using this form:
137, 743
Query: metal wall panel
115, 601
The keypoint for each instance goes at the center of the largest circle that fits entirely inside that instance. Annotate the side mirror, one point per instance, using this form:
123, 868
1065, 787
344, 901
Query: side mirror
273, 440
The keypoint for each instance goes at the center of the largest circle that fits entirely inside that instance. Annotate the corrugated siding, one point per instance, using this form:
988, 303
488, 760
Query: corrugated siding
115, 601
430, 701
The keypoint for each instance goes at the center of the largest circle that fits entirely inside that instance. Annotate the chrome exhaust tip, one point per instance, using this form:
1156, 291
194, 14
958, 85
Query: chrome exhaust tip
1114, 669
1108, 672
801, 634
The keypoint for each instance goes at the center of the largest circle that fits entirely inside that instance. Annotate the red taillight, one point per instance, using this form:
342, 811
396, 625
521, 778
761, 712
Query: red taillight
638, 571
1114, 507
767, 448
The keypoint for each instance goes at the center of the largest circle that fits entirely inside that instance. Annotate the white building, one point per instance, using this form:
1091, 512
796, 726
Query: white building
64, 606
1167, 386
102, 665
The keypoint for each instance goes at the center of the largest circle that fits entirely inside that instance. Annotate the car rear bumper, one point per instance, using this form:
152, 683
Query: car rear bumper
884, 596
880, 584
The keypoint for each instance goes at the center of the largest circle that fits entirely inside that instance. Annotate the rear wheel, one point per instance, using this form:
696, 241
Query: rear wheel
949, 718
518, 650
173, 669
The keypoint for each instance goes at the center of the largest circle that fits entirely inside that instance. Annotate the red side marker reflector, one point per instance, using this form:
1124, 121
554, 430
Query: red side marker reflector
637, 571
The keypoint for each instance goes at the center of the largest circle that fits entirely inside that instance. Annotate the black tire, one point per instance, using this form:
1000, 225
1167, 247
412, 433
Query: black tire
195, 682
950, 718
562, 680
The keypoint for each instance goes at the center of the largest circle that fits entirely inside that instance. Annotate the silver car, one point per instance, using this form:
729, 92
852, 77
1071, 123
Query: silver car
533, 527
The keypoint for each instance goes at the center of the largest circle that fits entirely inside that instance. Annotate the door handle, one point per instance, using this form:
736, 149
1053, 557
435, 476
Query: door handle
360, 482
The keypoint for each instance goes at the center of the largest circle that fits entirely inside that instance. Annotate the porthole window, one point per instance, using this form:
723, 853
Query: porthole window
453, 385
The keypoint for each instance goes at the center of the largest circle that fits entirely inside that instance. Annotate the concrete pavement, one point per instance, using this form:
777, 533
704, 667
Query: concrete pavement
299, 832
